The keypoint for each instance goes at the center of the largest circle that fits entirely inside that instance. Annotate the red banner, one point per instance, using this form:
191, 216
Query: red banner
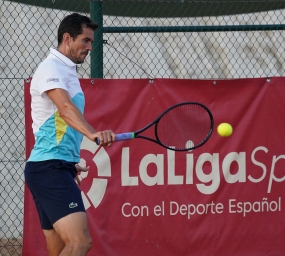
225, 198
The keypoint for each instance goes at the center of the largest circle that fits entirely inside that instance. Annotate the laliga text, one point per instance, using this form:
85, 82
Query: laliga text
208, 183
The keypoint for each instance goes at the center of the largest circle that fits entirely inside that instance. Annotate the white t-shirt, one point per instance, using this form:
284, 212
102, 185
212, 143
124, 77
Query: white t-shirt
54, 139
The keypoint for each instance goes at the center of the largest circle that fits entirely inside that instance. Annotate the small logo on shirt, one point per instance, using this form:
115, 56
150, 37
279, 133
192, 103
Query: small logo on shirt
73, 205
52, 80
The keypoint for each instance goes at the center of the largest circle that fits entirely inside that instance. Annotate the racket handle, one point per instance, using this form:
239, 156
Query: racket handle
120, 136
125, 136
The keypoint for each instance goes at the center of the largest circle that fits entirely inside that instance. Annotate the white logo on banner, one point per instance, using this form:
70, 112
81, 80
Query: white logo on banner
101, 159
98, 188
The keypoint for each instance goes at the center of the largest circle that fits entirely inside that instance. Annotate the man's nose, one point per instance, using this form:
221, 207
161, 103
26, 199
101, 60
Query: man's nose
89, 47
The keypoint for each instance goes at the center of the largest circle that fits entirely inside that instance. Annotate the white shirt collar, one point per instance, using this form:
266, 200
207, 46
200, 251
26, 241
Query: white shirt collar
62, 57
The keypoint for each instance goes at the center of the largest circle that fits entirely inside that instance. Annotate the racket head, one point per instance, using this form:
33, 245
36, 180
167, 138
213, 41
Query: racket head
184, 126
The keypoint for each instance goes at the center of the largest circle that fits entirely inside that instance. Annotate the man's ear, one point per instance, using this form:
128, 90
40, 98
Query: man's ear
66, 39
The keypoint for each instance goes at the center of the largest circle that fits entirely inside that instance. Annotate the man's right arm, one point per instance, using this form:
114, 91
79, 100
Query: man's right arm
73, 117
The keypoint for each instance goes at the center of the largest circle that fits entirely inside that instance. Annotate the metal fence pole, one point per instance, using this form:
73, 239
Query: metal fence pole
96, 14
184, 29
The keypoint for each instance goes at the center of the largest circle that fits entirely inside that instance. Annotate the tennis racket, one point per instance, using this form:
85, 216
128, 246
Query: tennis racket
184, 126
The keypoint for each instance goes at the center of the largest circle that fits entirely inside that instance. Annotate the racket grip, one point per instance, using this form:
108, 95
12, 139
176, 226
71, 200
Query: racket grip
125, 136
120, 136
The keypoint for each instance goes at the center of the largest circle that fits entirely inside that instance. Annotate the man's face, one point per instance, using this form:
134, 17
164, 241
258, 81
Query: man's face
81, 46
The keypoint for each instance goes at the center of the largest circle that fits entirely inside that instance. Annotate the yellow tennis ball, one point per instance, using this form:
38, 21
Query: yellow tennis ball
225, 130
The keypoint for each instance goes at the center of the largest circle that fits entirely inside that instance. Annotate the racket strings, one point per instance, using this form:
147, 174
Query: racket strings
184, 127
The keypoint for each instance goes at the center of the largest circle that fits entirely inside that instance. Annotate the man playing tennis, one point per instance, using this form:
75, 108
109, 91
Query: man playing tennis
58, 125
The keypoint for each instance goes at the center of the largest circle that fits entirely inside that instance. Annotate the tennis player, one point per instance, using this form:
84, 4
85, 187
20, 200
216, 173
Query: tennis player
59, 126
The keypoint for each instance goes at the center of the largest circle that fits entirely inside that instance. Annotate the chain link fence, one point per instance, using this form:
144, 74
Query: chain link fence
141, 39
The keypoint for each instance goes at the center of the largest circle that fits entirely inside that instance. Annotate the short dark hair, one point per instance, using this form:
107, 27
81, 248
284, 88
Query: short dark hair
73, 25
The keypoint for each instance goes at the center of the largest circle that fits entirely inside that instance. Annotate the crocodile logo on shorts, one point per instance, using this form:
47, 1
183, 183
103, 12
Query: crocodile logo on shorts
73, 205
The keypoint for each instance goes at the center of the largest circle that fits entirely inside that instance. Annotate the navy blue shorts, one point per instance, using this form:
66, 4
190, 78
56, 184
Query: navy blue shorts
55, 192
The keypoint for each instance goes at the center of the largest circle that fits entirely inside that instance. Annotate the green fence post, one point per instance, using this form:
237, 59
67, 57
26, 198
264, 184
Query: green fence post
96, 61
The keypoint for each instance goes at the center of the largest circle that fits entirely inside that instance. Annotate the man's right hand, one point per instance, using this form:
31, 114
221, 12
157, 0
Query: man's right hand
106, 137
